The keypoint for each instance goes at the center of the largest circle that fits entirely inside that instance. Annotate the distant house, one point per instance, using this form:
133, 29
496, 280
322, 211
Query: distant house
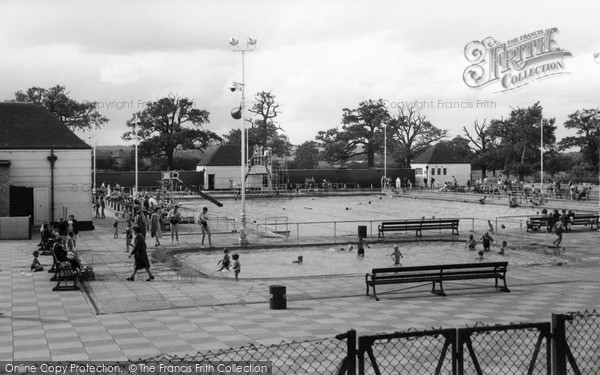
221, 167
441, 164
45, 169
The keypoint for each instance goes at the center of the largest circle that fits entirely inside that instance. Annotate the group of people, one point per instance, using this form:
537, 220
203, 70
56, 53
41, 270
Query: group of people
235, 266
61, 240
486, 240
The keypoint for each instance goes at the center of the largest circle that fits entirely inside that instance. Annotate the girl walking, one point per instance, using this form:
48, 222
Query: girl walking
140, 255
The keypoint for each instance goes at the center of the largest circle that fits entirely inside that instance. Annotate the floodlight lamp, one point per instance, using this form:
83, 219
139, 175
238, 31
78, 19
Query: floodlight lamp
251, 41
586, 116
236, 113
233, 42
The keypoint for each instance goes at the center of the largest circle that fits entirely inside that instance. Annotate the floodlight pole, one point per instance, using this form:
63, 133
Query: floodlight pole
136, 155
250, 45
542, 158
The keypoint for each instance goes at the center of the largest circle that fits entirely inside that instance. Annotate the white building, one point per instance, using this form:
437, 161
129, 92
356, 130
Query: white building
222, 170
439, 164
46, 169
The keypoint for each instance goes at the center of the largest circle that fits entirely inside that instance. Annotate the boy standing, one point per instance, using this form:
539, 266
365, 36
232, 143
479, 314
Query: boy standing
236, 265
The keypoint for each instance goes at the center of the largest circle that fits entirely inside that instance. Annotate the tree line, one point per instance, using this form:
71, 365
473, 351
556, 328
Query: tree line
512, 144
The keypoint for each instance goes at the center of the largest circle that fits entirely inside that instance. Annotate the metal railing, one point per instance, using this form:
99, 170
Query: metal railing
337, 230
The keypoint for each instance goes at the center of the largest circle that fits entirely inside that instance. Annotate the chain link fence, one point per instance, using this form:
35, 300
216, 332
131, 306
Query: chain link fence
412, 352
570, 344
505, 349
582, 332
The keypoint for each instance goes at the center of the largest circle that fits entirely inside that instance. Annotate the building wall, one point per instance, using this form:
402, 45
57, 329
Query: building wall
462, 172
225, 177
4, 190
72, 180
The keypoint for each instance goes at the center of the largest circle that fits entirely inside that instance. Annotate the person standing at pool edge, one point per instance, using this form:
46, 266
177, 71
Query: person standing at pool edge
203, 221
174, 218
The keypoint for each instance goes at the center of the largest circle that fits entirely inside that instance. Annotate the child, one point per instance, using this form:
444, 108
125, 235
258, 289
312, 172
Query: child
116, 225
128, 234
503, 248
236, 265
396, 255
225, 261
361, 250
480, 255
487, 241
471, 243
299, 260
35, 265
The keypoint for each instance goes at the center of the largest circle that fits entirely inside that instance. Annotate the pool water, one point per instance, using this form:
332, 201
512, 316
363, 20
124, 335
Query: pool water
329, 260
367, 210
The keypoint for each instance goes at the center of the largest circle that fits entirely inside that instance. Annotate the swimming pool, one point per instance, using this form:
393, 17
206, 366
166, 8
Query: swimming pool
317, 215
329, 260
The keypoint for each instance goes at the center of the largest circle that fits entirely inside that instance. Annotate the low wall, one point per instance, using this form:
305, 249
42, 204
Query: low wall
15, 228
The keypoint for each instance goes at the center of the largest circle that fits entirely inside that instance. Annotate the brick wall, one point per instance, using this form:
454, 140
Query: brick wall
4, 189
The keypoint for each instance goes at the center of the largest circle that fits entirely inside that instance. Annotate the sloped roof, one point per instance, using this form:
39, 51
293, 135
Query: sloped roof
439, 153
32, 126
224, 156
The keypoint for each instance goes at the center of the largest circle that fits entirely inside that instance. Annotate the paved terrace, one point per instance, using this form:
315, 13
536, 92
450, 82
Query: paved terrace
113, 319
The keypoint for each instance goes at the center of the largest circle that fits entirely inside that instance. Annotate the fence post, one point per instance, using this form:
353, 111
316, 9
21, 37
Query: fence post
559, 345
351, 352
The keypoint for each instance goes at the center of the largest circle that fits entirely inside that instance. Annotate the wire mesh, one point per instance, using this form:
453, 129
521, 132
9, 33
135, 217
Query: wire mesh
583, 338
507, 350
411, 355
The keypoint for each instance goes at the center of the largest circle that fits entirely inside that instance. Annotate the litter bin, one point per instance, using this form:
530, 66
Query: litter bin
362, 231
278, 299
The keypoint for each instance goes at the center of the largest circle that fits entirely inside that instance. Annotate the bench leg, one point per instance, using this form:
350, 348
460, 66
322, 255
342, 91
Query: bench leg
438, 292
503, 288
375, 293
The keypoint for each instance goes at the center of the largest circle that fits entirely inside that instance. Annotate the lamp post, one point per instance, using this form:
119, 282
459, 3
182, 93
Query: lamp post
94, 182
385, 150
136, 154
250, 45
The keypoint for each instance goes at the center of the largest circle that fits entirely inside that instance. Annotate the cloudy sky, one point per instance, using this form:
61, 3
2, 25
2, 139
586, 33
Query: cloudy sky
317, 57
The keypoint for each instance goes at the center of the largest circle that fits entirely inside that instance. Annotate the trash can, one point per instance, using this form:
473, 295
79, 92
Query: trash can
362, 231
278, 299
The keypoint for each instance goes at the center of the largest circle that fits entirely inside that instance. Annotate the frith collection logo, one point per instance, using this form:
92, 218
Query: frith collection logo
516, 62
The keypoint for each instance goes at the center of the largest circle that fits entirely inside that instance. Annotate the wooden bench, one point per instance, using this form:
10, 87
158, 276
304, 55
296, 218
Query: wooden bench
437, 274
63, 271
63, 275
585, 220
418, 226
535, 223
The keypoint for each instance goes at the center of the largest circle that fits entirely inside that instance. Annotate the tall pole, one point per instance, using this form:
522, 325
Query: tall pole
250, 45
94, 182
541, 158
136, 154
243, 238
385, 151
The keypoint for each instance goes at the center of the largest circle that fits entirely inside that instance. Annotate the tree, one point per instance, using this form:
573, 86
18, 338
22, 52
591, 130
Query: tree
307, 155
264, 131
76, 115
168, 124
361, 133
482, 145
587, 139
411, 134
518, 139
459, 146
